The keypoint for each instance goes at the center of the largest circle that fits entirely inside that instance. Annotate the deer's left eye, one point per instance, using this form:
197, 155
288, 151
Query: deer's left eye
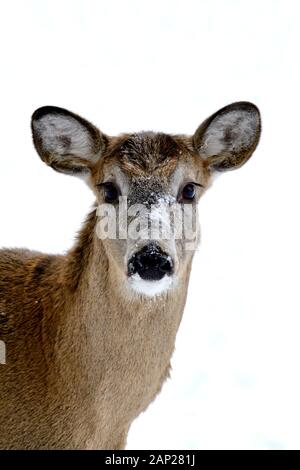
189, 192
111, 193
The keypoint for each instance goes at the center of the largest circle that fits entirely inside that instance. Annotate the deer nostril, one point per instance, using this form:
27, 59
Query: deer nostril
138, 265
166, 266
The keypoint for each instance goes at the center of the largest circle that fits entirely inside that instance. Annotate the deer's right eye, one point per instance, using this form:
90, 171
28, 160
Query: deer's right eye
111, 193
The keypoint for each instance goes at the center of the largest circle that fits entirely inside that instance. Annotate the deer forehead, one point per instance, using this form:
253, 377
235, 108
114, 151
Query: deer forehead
148, 153
148, 161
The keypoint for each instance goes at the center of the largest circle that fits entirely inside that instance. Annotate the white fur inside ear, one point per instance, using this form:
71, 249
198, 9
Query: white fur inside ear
63, 135
231, 132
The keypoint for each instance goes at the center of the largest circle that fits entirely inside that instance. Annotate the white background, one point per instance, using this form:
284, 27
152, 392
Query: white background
166, 65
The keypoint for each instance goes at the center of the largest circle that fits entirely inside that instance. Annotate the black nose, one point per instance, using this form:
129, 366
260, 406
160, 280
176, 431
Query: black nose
151, 263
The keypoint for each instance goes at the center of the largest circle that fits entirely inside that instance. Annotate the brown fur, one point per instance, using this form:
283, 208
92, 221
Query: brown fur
56, 393
84, 358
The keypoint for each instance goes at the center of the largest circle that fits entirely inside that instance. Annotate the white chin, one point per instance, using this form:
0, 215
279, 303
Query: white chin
150, 288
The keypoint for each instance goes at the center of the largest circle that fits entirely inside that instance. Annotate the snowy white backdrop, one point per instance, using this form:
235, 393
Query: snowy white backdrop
166, 65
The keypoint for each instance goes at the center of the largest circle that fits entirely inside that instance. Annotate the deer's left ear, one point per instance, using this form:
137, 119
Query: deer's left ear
65, 141
227, 139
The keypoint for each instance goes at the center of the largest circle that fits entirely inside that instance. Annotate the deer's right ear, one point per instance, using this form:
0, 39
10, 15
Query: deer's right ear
227, 139
66, 142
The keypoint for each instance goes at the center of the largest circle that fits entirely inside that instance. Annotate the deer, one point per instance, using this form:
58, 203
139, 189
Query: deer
89, 335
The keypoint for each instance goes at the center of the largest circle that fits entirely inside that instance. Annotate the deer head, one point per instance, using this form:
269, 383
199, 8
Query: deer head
146, 174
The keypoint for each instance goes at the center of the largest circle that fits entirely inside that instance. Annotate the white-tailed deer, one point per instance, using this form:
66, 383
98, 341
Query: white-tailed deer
89, 336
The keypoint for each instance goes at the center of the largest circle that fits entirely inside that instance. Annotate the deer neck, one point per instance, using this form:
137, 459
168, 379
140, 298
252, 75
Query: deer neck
110, 347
